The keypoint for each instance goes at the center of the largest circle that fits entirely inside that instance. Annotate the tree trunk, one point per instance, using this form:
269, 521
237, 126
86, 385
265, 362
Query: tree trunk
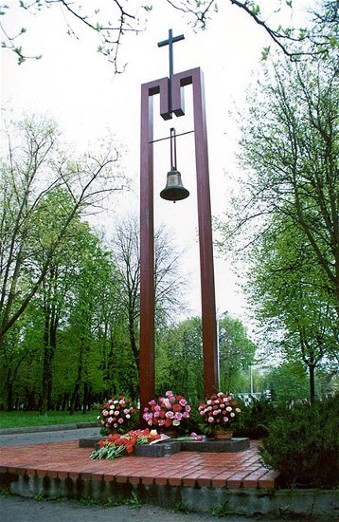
50, 341
311, 369
46, 369
86, 403
132, 336
77, 384
9, 405
11, 376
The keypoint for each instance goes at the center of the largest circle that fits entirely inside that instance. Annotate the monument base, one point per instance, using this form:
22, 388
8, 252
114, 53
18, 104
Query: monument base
170, 446
217, 446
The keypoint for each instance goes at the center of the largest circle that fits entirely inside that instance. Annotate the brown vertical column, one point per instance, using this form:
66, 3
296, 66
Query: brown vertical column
146, 348
208, 308
147, 297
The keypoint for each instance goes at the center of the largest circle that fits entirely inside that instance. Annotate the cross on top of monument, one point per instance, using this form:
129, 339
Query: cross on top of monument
170, 41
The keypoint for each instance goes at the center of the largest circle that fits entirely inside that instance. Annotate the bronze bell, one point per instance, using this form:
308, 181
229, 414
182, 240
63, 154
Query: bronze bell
174, 190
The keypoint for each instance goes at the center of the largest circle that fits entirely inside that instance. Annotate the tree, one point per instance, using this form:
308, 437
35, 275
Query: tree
40, 362
236, 351
59, 286
287, 382
287, 291
179, 359
179, 356
168, 286
290, 145
90, 360
21, 348
35, 168
95, 276
302, 185
319, 38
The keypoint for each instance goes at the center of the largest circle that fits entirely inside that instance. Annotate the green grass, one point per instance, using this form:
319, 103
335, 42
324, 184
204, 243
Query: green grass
20, 419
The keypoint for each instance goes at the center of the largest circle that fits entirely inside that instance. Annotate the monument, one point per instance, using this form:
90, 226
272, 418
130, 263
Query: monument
171, 92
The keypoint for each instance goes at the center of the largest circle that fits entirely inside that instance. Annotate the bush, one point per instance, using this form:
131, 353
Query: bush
255, 418
303, 445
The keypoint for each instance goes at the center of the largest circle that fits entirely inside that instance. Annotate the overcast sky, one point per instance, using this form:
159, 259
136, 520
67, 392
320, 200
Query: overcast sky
76, 85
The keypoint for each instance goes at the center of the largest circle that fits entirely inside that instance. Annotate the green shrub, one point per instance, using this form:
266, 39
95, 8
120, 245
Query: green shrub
255, 418
303, 445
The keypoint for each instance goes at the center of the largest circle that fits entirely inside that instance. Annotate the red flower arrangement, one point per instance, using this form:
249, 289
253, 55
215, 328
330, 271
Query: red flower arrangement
115, 444
116, 414
168, 411
219, 411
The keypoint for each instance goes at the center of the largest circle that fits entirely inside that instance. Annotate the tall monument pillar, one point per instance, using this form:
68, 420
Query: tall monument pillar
171, 91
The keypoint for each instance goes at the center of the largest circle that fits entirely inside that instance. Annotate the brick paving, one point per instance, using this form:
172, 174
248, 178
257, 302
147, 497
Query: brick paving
184, 469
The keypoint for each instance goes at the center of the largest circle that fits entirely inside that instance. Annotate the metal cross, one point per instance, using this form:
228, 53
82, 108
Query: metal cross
171, 40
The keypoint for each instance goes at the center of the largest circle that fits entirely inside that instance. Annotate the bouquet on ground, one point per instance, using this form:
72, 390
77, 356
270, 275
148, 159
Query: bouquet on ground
219, 411
167, 412
116, 415
116, 444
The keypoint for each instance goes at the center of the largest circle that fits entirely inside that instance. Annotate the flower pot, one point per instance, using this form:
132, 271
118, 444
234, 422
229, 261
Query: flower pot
223, 434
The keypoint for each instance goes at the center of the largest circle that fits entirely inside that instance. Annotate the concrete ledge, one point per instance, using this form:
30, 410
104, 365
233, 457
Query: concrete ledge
52, 427
316, 505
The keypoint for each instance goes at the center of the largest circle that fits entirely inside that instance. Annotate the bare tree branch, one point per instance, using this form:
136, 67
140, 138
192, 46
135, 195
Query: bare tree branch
320, 38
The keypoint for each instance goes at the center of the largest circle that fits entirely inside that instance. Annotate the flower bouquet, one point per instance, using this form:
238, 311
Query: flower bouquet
116, 444
167, 412
116, 415
219, 412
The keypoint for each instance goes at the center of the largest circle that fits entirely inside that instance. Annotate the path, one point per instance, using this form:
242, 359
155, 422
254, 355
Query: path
17, 509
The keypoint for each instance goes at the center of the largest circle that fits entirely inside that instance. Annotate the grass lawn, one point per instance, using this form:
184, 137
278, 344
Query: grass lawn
19, 419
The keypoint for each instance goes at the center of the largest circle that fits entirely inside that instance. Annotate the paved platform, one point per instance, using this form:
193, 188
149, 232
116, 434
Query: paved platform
219, 483
67, 460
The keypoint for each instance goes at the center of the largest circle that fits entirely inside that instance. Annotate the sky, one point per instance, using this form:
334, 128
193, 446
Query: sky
76, 85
